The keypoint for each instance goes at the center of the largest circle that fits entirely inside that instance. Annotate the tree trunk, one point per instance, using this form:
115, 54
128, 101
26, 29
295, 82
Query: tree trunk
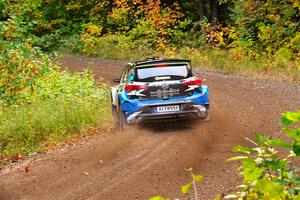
214, 11
202, 12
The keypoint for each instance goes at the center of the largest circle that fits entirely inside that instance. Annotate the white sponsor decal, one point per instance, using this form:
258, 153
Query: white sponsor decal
192, 87
136, 93
165, 93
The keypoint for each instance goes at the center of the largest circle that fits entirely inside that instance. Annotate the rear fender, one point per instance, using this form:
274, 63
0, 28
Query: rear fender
200, 98
127, 105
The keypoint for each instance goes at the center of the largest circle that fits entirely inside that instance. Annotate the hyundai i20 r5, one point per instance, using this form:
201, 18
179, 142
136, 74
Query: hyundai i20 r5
158, 89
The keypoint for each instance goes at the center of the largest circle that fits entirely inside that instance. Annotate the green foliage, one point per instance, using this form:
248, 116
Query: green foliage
185, 189
21, 65
31, 128
268, 26
158, 198
63, 104
257, 35
62, 84
69, 16
149, 24
39, 103
269, 169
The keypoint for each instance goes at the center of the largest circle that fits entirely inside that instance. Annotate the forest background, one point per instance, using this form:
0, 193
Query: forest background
229, 35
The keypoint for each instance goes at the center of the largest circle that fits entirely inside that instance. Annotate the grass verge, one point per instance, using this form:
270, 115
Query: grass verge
35, 126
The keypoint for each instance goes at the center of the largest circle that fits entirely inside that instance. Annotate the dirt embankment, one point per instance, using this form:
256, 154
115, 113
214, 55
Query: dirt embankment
145, 161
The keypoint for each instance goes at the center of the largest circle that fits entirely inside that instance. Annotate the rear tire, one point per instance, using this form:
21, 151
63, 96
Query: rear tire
114, 112
208, 115
123, 124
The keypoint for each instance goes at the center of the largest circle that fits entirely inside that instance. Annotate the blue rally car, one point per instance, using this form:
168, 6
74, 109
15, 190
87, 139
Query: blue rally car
156, 90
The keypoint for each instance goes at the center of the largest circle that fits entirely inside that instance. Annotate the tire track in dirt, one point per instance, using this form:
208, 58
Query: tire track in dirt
132, 163
146, 161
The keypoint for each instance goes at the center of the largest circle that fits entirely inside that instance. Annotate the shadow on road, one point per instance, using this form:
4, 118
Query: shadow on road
169, 126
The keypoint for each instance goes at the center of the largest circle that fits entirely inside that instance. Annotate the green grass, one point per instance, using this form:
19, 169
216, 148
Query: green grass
62, 105
32, 127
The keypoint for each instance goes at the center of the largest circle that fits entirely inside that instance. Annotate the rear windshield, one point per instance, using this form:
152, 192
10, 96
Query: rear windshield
162, 73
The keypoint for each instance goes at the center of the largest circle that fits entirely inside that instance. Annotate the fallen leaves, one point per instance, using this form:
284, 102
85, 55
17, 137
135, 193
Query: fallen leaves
16, 158
53, 146
26, 169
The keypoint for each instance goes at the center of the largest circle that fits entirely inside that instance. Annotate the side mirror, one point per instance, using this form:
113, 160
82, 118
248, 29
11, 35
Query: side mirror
116, 80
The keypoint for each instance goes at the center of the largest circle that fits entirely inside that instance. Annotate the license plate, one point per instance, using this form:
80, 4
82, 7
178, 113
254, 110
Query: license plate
168, 108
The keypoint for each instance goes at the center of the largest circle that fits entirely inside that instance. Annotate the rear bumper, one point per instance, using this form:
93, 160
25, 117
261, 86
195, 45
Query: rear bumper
137, 111
197, 111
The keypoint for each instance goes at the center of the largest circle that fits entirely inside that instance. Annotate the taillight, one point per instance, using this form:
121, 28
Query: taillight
130, 87
192, 81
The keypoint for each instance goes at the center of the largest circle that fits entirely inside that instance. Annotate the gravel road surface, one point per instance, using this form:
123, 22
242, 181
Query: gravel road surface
146, 161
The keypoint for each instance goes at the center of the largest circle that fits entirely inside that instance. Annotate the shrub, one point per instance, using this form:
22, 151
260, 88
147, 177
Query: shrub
21, 66
31, 128
149, 24
267, 26
39, 103
62, 104
270, 168
185, 189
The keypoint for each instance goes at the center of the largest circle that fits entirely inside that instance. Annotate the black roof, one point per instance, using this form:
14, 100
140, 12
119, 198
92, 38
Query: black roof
158, 60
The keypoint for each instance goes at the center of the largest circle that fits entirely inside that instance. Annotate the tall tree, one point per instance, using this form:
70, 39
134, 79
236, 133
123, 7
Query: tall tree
208, 9
202, 12
214, 11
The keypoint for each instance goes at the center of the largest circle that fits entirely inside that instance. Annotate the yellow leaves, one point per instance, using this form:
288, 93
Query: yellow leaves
154, 20
53, 146
73, 6
170, 52
297, 5
216, 35
93, 29
161, 44
237, 54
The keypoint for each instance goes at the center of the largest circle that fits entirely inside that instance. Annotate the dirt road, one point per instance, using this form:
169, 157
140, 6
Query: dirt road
143, 162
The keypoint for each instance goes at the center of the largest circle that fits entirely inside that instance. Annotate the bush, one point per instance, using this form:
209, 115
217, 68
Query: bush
63, 104
267, 26
39, 103
270, 168
30, 128
21, 66
186, 189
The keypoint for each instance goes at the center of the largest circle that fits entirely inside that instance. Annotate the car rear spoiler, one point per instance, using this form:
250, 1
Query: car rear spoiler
158, 61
